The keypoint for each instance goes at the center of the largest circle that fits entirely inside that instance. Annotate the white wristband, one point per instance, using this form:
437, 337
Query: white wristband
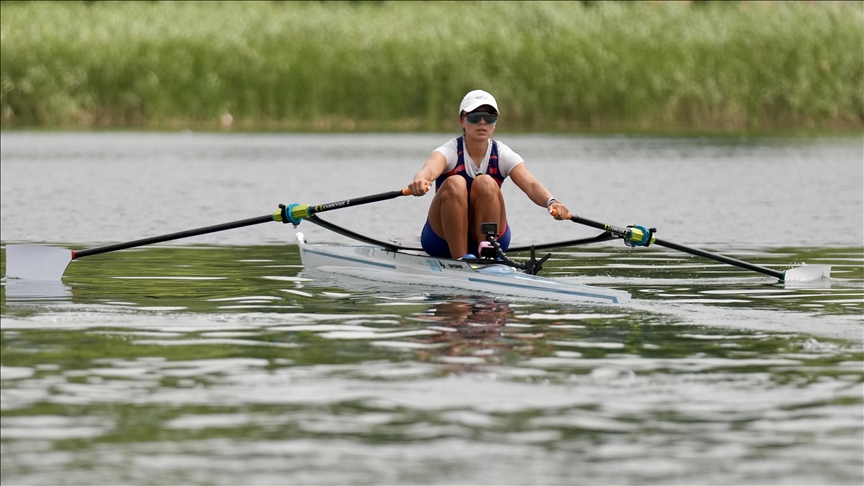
550, 201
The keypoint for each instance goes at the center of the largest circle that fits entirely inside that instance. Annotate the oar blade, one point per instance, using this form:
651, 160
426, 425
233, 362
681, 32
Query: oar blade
35, 262
807, 273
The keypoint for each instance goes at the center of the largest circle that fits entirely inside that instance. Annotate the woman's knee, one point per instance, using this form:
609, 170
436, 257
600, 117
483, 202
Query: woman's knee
484, 184
454, 186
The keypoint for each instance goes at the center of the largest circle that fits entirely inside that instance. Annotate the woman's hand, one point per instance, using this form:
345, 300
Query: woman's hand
559, 211
419, 187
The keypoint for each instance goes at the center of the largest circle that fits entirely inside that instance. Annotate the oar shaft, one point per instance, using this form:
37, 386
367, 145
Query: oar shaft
720, 258
605, 236
299, 212
354, 236
295, 213
357, 201
623, 233
175, 236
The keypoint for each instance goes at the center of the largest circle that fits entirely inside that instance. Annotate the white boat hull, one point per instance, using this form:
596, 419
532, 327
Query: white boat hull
380, 265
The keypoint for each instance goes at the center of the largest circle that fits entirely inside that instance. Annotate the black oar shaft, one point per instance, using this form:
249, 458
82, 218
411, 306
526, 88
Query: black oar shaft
622, 232
175, 236
356, 201
720, 258
304, 212
605, 227
355, 236
605, 236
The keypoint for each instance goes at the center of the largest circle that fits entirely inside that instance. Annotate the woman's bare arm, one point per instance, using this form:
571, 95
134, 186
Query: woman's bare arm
430, 171
536, 191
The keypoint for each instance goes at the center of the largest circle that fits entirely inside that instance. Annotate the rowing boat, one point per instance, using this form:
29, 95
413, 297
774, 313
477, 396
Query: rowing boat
416, 268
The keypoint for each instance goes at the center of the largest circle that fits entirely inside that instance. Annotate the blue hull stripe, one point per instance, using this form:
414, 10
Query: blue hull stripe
355, 260
544, 289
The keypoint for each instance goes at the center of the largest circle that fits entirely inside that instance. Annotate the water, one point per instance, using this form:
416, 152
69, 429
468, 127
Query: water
219, 361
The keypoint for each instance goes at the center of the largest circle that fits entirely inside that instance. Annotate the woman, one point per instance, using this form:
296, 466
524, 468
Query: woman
468, 172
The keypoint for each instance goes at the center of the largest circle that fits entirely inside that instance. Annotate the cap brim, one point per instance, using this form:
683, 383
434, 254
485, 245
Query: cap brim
474, 106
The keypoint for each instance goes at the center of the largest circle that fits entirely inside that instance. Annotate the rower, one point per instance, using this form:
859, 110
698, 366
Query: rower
468, 172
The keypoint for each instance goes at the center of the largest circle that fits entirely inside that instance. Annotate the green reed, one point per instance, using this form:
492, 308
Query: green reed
556, 66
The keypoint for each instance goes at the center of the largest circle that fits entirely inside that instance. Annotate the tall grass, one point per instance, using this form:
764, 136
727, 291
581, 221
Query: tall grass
382, 65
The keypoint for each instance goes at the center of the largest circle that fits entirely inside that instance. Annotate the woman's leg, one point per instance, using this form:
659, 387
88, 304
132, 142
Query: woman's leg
487, 206
448, 215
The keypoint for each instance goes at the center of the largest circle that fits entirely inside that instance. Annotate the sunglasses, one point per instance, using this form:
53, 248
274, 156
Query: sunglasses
475, 117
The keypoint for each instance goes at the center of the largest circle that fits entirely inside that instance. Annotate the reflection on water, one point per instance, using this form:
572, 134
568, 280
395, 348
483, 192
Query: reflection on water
36, 290
229, 365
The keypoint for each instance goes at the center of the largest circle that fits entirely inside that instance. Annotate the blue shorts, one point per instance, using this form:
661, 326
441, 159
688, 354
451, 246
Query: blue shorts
436, 246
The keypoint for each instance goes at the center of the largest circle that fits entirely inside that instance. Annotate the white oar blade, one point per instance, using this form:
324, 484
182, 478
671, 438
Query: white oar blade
807, 273
34, 262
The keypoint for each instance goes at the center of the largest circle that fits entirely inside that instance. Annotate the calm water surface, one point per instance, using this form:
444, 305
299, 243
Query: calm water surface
219, 361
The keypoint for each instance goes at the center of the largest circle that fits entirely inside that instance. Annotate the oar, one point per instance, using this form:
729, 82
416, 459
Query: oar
36, 262
605, 236
639, 236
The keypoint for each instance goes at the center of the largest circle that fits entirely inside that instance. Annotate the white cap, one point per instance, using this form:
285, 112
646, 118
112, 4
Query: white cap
476, 98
